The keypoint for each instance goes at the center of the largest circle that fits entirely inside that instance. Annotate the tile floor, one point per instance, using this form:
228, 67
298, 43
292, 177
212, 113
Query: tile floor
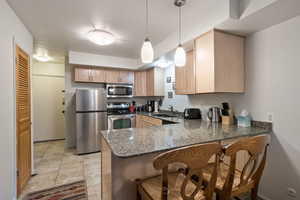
56, 165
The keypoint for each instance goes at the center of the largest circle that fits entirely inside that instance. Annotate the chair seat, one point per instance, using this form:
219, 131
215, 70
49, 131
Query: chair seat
222, 174
152, 187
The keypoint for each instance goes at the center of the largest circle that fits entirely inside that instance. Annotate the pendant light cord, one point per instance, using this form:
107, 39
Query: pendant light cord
147, 19
180, 28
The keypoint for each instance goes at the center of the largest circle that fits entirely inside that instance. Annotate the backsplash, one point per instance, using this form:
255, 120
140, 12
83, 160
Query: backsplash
202, 101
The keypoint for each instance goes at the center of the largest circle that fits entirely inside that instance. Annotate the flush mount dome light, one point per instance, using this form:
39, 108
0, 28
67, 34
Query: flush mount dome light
101, 37
42, 55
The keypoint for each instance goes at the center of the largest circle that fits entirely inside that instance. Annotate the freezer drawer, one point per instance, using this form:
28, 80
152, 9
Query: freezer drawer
90, 100
88, 130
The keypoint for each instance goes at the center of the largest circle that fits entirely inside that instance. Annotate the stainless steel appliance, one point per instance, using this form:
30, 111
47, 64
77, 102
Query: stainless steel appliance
117, 91
214, 114
119, 116
192, 113
91, 118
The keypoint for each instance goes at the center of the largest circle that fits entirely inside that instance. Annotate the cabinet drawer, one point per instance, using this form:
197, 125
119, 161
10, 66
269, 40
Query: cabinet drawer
151, 120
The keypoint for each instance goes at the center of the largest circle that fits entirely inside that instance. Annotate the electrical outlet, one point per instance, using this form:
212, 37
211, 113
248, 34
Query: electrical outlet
291, 193
270, 116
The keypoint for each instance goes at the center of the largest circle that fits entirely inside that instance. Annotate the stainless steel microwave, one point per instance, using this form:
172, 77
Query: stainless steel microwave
114, 91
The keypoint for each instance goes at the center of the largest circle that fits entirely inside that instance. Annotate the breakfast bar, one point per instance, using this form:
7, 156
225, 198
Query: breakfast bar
127, 154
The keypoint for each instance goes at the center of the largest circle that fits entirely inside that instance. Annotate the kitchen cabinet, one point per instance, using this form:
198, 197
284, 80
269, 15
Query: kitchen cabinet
102, 75
216, 65
185, 76
219, 63
145, 121
98, 75
112, 76
140, 83
149, 82
126, 77
82, 74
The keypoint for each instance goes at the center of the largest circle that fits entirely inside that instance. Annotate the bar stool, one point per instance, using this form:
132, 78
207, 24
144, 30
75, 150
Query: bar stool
179, 185
232, 182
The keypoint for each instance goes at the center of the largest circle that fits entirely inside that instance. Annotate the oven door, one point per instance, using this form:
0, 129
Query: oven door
119, 91
120, 121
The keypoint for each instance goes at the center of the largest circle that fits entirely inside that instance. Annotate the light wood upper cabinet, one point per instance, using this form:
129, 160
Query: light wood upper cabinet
149, 82
219, 63
140, 83
102, 75
82, 74
185, 76
98, 75
215, 65
126, 77
112, 76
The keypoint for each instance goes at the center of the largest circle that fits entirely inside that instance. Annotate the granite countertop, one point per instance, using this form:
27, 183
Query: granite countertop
138, 141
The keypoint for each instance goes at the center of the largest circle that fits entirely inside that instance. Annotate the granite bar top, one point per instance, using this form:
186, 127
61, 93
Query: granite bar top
138, 141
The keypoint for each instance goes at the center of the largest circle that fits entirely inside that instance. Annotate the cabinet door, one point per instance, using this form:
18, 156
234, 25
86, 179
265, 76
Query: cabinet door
204, 57
82, 74
185, 76
126, 77
140, 83
150, 82
180, 80
98, 75
112, 76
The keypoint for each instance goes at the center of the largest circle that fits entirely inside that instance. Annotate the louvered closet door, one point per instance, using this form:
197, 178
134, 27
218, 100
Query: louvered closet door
23, 118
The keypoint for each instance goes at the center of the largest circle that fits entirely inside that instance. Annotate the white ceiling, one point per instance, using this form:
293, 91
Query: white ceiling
61, 25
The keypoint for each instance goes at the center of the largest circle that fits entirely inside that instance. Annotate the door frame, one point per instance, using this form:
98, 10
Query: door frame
15, 147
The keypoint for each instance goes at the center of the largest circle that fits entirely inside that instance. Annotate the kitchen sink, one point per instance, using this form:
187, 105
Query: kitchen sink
162, 115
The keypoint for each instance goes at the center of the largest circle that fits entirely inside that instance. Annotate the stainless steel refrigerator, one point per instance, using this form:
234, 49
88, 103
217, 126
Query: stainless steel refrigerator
91, 118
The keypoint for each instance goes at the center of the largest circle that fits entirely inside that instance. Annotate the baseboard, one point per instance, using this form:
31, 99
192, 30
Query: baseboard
52, 140
263, 197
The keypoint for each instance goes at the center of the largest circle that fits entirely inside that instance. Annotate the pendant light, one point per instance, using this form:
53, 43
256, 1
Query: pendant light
147, 50
180, 54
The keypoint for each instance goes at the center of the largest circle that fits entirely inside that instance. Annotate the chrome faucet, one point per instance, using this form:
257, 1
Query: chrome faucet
171, 108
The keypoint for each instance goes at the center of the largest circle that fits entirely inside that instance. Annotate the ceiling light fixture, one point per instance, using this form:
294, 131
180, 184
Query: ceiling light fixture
42, 55
101, 37
180, 54
147, 50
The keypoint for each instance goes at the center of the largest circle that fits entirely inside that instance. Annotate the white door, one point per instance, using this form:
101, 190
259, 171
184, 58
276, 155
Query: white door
48, 107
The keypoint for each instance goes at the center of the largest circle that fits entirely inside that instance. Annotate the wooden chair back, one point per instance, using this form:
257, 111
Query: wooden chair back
195, 158
253, 168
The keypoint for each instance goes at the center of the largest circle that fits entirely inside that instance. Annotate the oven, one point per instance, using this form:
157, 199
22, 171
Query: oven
121, 121
116, 91
119, 116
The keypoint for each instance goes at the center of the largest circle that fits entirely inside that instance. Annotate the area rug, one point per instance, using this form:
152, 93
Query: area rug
71, 191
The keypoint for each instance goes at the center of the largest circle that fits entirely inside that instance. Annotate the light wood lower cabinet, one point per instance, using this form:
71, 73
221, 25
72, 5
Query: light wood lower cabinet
149, 82
145, 121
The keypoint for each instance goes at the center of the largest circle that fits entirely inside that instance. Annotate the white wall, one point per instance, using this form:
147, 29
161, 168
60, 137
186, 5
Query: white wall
11, 27
81, 58
272, 86
203, 101
48, 81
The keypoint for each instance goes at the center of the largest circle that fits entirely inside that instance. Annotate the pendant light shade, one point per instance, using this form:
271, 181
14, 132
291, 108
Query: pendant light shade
180, 54
147, 52
180, 57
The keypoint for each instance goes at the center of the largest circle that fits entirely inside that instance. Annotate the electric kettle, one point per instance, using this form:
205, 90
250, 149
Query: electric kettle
214, 114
